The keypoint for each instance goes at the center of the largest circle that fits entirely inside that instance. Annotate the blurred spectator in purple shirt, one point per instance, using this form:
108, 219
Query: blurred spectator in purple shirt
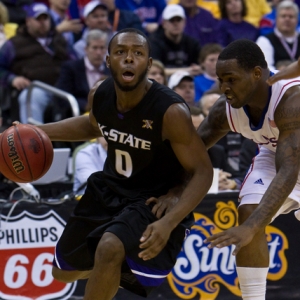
232, 25
200, 23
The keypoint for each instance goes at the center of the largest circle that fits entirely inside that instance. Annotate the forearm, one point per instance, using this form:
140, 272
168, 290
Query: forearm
191, 196
72, 129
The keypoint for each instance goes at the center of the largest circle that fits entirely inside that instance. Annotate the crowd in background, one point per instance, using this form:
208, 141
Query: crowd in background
64, 43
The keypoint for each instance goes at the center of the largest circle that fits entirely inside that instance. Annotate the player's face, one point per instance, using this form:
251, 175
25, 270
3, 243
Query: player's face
238, 85
129, 60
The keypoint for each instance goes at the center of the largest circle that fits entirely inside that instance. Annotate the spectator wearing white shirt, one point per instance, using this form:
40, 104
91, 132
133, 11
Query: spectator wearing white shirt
284, 42
89, 159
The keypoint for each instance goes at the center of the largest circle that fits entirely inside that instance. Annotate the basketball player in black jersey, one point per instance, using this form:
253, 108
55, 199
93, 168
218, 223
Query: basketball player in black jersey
116, 237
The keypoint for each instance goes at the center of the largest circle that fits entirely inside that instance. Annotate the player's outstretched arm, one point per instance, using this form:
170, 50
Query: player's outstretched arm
287, 116
79, 128
191, 152
291, 71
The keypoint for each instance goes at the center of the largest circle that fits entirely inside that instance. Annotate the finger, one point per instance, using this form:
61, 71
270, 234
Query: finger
151, 248
213, 237
161, 211
146, 234
236, 250
151, 200
227, 174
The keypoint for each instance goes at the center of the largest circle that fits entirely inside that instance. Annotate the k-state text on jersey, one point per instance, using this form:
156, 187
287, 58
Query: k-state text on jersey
125, 138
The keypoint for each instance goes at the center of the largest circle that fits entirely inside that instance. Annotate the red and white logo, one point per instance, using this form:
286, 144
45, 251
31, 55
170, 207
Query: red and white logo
27, 245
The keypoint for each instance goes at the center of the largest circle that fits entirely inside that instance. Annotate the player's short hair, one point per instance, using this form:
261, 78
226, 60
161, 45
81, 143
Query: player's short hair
246, 52
130, 30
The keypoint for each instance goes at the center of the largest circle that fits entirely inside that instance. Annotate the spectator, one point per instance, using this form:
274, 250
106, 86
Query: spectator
157, 72
282, 64
196, 115
175, 49
149, 11
211, 6
95, 16
15, 9
7, 29
183, 84
35, 53
208, 59
61, 21
88, 158
267, 22
256, 9
283, 43
120, 19
200, 23
232, 25
77, 77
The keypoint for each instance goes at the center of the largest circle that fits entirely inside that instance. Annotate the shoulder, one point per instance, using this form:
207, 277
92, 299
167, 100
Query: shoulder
177, 121
288, 108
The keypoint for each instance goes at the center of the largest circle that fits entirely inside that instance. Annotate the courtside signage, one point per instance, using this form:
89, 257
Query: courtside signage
27, 245
200, 272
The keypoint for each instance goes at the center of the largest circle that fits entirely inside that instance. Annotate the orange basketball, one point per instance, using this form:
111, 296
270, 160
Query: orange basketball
26, 153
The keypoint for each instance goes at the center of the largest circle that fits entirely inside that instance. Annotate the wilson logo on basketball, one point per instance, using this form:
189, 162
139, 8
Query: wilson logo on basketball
13, 155
27, 250
201, 271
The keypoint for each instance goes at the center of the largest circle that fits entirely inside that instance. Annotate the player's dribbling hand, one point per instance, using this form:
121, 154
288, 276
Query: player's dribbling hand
154, 239
239, 236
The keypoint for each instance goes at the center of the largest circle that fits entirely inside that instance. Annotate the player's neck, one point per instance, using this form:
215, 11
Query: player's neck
128, 100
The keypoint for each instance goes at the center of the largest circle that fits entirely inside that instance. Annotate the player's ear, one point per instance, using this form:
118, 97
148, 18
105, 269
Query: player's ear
257, 73
107, 61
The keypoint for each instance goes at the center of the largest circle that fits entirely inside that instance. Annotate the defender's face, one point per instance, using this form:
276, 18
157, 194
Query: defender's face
129, 60
237, 84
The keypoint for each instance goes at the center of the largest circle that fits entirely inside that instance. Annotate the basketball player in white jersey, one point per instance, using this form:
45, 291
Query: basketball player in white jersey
270, 116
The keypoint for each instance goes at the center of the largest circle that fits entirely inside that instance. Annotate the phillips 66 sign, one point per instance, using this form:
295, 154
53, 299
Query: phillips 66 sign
27, 245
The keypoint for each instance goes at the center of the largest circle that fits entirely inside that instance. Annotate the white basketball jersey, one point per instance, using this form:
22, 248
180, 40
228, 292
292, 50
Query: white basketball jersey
266, 132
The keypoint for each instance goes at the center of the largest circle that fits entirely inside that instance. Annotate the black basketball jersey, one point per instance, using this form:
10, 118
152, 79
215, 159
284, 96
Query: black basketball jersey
139, 163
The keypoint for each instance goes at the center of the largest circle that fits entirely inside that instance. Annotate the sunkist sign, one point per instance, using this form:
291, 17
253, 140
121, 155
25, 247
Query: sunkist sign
200, 271
27, 245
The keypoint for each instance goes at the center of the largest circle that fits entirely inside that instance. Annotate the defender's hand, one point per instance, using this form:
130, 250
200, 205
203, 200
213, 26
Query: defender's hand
165, 203
239, 236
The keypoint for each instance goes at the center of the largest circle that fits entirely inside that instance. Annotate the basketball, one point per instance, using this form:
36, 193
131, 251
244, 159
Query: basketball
26, 153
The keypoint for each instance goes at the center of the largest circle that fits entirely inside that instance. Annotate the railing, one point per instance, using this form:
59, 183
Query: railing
57, 92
